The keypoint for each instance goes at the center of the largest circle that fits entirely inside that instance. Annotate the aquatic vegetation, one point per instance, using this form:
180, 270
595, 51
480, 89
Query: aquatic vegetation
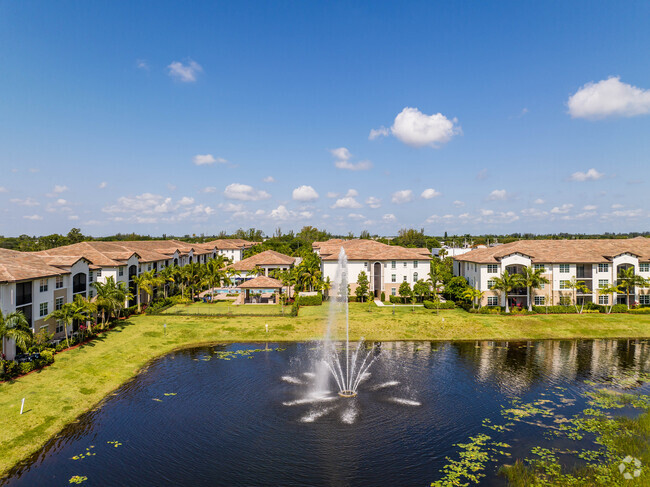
114, 443
231, 354
170, 393
87, 453
156, 399
78, 479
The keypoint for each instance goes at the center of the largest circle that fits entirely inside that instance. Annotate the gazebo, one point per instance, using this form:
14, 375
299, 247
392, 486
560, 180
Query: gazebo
265, 290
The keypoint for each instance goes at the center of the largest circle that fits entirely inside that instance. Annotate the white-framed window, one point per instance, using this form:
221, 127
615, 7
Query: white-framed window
42, 285
405, 263
99, 273
393, 291
42, 308
542, 285
603, 283
393, 265
644, 267
415, 277
565, 268
120, 271
149, 267
406, 279
365, 264
644, 299
540, 300
58, 282
90, 276
393, 278
415, 264
603, 267
565, 284
492, 268
59, 326
539, 267
603, 299
58, 303
490, 283
565, 301
493, 301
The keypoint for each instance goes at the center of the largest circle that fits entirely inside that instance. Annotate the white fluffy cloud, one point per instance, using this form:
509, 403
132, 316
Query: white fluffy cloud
402, 196
389, 217
244, 192
609, 98
348, 201
343, 156
269, 179
305, 193
590, 207
33, 217
539, 201
497, 195
429, 193
207, 160
58, 189
590, 175
562, 210
356, 216
380, 132
150, 208
24, 202
417, 129
282, 213
102, 185
373, 202
458, 203
185, 73
209, 189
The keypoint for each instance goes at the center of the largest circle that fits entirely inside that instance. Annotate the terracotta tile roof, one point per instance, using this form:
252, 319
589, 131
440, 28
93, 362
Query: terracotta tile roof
20, 266
230, 244
261, 282
268, 257
563, 251
361, 249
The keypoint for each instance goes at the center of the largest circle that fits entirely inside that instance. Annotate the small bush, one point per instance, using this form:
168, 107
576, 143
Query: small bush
310, 300
383, 296
640, 311
295, 307
554, 309
487, 310
434, 305
396, 299
129, 311
619, 308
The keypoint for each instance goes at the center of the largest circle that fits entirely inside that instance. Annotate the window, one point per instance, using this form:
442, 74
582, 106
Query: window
365, 264
542, 285
565, 301
603, 283
490, 283
406, 279
603, 299
42, 308
393, 278
58, 303
166, 263
404, 264
415, 277
99, 273
493, 301
492, 268
91, 293
645, 267
565, 268
565, 284
42, 285
58, 283
149, 267
393, 264
603, 267
644, 299
540, 267
540, 300
393, 292
415, 264
59, 326
120, 271
90, 276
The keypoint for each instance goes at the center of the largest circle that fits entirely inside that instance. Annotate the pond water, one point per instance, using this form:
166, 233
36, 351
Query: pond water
204, 416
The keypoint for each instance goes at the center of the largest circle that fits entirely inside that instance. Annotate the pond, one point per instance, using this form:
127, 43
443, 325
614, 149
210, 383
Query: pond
241, 414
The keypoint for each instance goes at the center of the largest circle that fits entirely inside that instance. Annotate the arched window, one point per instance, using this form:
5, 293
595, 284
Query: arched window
415, 277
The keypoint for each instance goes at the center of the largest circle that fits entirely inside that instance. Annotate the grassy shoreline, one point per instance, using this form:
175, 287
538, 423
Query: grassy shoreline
82, 377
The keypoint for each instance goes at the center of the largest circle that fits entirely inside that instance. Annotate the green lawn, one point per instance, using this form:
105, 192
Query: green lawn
226, 308
80, 378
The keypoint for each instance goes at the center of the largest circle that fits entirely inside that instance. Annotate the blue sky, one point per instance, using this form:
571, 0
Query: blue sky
466, 117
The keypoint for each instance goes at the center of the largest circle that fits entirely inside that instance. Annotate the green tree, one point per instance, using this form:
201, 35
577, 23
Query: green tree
472, 294
628, 280
506, 283
421, 289
577, 286
532, 279
455, 288
14, 326
609, 290
362, 286
405, 291
66, 314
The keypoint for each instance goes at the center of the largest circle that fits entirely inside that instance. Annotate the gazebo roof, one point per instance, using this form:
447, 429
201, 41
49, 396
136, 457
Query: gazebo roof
261, 282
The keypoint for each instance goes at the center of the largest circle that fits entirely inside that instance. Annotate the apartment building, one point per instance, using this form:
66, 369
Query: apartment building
596, 263
386, 266
231, 248
37, 285
268, 261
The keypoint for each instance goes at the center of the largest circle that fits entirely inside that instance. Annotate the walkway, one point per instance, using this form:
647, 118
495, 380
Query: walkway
380, 303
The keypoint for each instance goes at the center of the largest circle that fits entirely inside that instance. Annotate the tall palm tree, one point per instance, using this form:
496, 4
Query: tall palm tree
107, 298
610, 291
474, 295
83, 310
435, 278
576, 286
532, 279
14, 326
66, 314
167, 276
628, 280
506, 283
192, 274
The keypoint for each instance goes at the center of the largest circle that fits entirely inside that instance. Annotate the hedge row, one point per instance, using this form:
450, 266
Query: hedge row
316, 300
445, 305
14, 369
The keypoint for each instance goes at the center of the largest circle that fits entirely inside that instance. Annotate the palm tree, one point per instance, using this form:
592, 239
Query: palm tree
83, 309
506, 283
192, 274
628, 280
167, 276
108, 297
610, 290
576, 286
434, 278
532, 279
14, 326
474, 295
66, 314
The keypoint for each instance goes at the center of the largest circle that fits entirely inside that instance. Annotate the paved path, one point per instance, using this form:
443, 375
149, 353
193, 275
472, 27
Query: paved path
380, 303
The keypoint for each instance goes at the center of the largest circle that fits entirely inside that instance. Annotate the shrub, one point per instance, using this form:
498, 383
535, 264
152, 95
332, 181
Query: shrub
159, 304
11, 369
619, 308
383, 296
130, 310
554, 309
640, 311
310, 300
445, 305
396, 299
487, 310
295, 307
